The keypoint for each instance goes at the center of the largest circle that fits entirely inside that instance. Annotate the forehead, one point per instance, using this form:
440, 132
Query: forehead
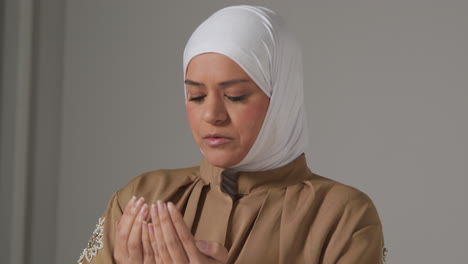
214, 65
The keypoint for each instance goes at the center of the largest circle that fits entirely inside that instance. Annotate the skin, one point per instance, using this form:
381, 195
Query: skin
127, 239
166, 240
225, 109
223, 99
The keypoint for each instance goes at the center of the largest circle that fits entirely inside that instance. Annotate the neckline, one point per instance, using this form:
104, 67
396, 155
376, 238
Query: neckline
247, 182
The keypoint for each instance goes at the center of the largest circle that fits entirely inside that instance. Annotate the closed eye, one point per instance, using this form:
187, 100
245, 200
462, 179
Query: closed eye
236, 98
197, 99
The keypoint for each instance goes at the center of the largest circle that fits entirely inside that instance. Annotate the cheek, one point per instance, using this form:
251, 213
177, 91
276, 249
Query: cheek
192, 117
250, 120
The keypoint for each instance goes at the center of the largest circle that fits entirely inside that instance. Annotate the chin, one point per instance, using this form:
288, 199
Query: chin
221, 159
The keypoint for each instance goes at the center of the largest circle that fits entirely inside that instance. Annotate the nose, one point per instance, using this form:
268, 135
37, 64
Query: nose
215, 111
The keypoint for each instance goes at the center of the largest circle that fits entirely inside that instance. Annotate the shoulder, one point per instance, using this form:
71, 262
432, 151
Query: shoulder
158, 184
337, 192
164, 178
348, 219
344, 200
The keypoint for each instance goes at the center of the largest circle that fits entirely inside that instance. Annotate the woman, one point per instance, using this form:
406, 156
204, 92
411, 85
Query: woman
253, 199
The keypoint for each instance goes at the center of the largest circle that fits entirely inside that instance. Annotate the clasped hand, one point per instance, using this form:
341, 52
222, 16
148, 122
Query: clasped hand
166, 240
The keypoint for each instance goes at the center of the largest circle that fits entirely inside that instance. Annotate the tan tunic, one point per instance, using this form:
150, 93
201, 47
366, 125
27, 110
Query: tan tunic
285, 215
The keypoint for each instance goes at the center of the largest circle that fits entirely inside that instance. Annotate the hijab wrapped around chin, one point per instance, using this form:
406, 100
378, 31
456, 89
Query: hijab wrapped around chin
257, 39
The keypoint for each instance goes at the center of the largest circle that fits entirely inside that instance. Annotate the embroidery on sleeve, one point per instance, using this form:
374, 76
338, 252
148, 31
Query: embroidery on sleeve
384, 255
94, 244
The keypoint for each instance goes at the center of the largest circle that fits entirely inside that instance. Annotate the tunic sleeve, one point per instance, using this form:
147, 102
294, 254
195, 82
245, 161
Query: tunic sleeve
364, 246
100, 246
358, 237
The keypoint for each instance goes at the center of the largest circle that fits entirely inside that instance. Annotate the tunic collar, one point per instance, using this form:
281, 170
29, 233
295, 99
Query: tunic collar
291, 173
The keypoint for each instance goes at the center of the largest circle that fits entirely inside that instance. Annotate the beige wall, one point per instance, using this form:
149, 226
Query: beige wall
386, 95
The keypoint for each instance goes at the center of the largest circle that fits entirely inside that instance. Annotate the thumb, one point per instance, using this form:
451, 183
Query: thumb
213, 249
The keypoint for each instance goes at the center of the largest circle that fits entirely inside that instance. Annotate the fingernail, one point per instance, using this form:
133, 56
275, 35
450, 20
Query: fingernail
145, 227
131, 202
154, 210
170, 206
139, 202
143, 210
160, 205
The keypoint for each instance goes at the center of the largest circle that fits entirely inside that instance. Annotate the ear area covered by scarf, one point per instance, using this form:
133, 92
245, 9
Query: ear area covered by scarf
258, 40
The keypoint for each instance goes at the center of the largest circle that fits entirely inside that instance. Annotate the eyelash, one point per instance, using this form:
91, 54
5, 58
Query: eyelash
234, 99
196, 99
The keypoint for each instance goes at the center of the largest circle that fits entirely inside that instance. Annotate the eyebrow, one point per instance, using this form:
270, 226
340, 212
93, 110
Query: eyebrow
225, 83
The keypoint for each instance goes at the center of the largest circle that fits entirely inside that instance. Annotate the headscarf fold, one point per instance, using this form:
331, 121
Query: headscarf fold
257, 39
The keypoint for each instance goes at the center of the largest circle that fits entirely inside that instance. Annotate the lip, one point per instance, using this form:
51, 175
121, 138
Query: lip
216, 140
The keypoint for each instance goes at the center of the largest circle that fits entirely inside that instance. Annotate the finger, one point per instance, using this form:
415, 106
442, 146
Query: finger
124, 227
153, 241
152, 236
135, 246
183, 232
213, 249
163, 253
148, 255
171, 239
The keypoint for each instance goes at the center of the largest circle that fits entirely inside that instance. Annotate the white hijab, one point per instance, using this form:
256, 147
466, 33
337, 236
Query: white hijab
257, 39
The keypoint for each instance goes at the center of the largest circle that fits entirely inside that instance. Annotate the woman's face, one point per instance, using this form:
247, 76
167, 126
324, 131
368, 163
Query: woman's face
225, 108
